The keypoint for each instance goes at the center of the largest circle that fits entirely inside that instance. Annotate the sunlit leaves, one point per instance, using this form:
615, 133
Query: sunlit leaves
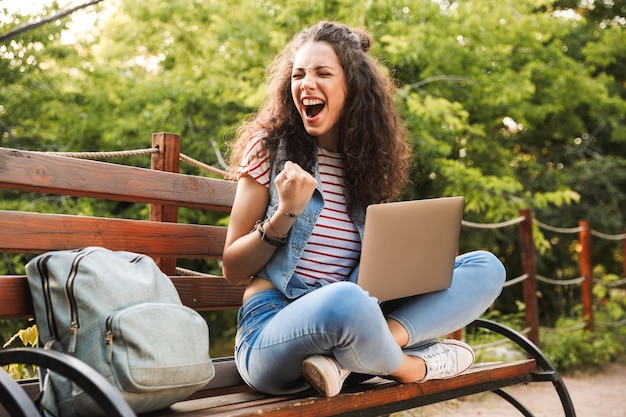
513, 96
27, 336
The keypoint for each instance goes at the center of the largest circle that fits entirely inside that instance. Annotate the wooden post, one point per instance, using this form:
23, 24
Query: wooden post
168, 159
527, 246
585, 270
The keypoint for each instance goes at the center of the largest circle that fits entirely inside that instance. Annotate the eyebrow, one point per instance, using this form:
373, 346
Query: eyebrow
319, 67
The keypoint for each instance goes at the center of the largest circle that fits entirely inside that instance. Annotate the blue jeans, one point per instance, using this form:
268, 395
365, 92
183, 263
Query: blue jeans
276, 334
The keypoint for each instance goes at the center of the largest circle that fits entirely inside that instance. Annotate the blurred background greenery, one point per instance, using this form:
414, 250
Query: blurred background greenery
513, 104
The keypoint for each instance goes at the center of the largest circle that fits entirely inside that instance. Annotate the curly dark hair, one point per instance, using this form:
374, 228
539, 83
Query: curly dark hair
372, 138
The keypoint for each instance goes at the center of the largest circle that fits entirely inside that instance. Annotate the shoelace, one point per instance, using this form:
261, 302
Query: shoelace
439, 363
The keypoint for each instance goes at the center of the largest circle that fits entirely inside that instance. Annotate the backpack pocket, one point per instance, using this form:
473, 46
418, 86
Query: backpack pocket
153, 346
158, 354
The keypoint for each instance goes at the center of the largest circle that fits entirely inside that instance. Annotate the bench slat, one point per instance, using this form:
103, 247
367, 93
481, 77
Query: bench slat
23, 232
51, 174
15, 299
209, 293
200, 293
225, 395
373, 398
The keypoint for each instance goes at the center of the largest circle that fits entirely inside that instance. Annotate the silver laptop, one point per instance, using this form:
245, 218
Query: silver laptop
409, 247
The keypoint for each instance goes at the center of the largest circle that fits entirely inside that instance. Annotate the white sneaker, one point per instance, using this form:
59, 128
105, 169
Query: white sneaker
324, 374
445, 359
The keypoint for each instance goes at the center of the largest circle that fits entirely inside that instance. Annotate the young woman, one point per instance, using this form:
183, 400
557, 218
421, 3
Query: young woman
327, 143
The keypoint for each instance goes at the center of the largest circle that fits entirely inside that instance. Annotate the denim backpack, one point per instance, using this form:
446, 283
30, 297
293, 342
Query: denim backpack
117, 312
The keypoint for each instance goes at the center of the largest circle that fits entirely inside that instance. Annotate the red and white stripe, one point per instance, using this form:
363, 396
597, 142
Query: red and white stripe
334, 245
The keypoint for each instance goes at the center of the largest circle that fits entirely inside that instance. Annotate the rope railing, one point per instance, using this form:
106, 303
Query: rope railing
561, 330
105, 155
617, 283
493, 225
586, 280
138, 152
202, 165
581, 229
541, 225
558, 229
614, 324
516, 280
621, 236
555, 229
563, 282
550, 330
191, 273
499, 342
605, 236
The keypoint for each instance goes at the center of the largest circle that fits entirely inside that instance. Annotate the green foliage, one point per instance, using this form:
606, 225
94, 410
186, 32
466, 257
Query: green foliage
569, 348
588, 350
8, 328
223, 326
611, 299
492, 347
581, 350
502, 90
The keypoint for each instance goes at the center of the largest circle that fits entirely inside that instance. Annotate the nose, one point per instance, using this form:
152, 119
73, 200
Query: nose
307, 83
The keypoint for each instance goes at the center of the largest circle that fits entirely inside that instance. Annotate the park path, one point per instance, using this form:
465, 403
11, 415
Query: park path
601, 394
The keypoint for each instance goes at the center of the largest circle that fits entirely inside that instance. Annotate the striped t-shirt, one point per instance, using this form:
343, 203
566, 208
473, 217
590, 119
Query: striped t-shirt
334, 245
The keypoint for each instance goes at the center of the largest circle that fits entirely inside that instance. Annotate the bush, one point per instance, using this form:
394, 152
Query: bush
568, 350
581, 350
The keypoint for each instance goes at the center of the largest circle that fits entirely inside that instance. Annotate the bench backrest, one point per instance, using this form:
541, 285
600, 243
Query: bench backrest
34, 233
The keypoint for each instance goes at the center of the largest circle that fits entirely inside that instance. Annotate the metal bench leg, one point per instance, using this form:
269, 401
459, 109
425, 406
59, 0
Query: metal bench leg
513, 401
14, 399
549, 371
77, 371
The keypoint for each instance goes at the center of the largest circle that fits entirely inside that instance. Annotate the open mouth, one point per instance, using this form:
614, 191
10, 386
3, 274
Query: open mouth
313, 107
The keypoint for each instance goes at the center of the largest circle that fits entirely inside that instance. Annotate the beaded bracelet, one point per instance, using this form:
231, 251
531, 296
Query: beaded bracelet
266, 237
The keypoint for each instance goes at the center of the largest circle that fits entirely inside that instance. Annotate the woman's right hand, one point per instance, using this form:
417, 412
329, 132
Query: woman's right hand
295, 187
244, 252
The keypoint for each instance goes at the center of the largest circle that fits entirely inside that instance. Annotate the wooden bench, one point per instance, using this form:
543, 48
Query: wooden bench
165, 240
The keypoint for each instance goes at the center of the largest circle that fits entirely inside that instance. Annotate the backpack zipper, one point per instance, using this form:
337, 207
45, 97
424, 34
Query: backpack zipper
108, 339
69, 289
136, 259
42, 267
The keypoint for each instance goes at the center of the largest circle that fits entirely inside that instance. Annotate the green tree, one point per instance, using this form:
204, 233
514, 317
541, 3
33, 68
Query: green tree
512, 104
